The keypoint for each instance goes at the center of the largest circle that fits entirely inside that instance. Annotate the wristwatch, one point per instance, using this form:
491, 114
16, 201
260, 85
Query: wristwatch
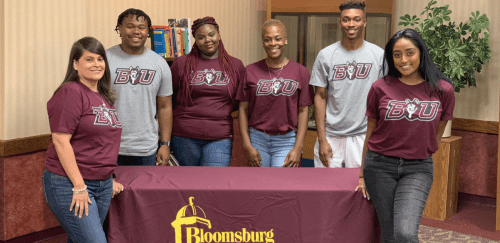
165, 143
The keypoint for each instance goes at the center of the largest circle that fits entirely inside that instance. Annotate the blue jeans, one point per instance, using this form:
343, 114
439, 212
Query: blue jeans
273, 149
58, 194
196, 152
137, 160
399, 189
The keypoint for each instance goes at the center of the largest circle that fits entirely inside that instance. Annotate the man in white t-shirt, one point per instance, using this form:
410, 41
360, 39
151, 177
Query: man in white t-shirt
342, 75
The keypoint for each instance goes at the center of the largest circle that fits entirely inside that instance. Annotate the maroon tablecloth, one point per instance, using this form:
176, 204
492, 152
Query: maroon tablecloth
240, 204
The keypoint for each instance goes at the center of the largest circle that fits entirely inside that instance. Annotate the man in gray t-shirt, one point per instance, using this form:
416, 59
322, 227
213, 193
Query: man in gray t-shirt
143, 85
343, 74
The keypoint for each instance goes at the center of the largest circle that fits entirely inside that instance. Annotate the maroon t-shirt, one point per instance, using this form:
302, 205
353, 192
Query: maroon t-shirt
274, 96
207, 113
95, 130
407, 117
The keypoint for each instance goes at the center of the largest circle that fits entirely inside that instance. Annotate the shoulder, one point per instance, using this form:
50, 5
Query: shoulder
256, 65
236, 61
332, 48
71, 90
113, 51
154, 57
446, 86
298, 66
383, 82
374, 49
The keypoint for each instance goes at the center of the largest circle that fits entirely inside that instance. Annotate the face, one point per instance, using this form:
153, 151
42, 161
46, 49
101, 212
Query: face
133, 32
406, 57
352, 23
274, 41
207, 39
90, 67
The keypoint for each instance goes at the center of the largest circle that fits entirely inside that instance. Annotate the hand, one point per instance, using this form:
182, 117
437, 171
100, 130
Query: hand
117, 188
363, 188
80, 203
293, 158
325, 153
163, 155
253, 157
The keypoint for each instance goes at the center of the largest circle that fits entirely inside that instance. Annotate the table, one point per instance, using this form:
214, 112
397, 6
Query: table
240, 204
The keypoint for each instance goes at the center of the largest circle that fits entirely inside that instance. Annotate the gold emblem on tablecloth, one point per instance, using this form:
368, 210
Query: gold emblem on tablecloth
197, 235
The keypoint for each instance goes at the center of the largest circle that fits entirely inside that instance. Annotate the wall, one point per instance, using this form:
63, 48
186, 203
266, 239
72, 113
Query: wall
481, 103
36, 37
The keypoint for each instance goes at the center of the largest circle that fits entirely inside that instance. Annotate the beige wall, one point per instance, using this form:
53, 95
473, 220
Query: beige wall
36, 37
479, 103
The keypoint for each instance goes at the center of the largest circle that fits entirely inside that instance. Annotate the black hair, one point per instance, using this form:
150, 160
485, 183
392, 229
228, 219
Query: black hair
427, 68
352, 4
131, 12
90, 44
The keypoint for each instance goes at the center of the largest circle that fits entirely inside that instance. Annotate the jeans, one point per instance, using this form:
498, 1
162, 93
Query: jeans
273, 149
137, 160
58, 194
196, 152
399, 189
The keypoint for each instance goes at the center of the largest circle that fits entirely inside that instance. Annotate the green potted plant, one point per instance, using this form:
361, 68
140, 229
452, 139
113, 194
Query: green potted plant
458, 50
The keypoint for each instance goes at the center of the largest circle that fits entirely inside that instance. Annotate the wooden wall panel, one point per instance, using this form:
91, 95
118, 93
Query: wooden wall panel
327, 6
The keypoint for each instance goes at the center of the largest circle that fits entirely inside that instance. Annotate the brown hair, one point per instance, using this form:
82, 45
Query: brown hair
193, 57
90, 44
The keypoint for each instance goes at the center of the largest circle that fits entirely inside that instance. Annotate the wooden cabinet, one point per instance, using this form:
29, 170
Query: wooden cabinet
442, 201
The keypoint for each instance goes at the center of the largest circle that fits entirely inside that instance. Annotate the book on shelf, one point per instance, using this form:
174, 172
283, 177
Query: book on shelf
172, 40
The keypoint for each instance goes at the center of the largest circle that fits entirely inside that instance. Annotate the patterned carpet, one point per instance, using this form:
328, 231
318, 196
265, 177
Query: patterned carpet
429, 234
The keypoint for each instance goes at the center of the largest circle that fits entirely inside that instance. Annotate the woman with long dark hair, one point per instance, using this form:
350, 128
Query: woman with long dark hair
205, 83
407, 112
81, 157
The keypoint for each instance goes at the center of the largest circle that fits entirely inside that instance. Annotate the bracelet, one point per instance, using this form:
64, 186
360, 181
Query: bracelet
79, 191
360, 177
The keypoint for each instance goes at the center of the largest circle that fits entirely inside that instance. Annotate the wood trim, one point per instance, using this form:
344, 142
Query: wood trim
24, 145
269, 10
490, 127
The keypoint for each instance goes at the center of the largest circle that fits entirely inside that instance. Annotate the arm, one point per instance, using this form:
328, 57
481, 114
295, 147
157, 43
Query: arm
165, 120
325, 150
66, 156
293, 157
372, 124
252, 153
440, 130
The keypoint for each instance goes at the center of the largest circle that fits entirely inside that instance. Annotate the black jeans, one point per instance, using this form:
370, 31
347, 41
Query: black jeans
399, 189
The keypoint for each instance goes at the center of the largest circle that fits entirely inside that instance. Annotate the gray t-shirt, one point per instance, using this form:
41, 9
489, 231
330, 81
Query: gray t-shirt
348, 76
137, 81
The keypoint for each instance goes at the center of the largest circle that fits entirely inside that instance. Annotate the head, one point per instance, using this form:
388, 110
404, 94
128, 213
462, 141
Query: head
134, 27
406, 54
207, 37
86, 59
352, 19
274, 38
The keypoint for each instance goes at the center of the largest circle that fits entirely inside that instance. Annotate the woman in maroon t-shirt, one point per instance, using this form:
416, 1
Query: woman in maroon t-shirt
274, 99
407, 112
205, 83
82, 155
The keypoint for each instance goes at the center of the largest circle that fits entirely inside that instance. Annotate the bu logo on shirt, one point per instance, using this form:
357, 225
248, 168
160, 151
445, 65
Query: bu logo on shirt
134, 76
209, 77
351, 71
412, 110
105, 116
277, 87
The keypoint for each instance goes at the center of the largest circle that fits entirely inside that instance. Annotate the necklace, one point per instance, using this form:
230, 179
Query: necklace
103, 104
280, 69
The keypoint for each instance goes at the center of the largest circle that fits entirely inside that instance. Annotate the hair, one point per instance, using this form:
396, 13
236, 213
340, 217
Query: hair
352, 4
133, 12
193, 58
427, 68
273, 22
90, 44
